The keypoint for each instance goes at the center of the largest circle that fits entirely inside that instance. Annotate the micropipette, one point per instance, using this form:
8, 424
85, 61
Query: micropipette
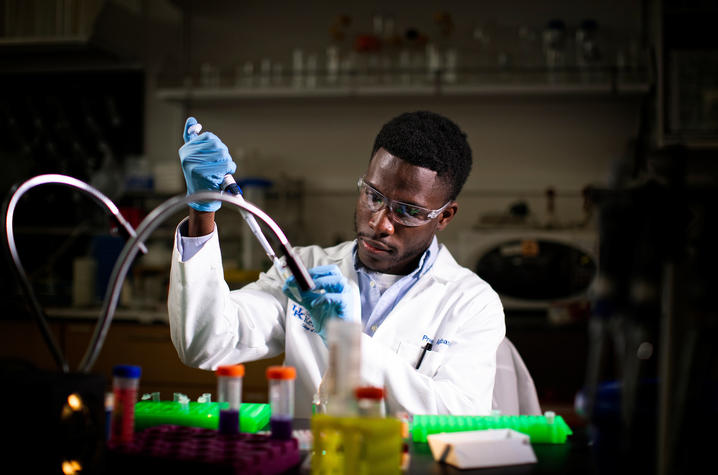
230, 186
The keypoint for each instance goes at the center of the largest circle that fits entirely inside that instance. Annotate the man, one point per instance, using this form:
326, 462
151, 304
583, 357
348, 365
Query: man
431, 327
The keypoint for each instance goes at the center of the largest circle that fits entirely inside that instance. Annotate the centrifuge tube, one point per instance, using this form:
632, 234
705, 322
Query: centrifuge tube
126, 379
370, 401
229, 390
281, 400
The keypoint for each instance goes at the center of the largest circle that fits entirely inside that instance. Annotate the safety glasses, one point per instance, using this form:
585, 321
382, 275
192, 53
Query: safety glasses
401, 213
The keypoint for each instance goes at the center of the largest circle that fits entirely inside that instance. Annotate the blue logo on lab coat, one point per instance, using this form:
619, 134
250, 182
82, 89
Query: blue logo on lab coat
301, 314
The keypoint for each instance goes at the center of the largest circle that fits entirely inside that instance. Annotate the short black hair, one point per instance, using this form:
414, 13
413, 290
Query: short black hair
427, 139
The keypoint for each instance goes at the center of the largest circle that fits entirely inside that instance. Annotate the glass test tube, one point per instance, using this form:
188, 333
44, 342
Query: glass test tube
229, 390
281, 400
125, 381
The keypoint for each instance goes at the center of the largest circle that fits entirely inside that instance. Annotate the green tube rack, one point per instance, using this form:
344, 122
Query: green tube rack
252, 417
547, 429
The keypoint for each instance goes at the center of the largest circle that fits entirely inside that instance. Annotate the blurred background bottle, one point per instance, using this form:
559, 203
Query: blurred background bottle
554, 50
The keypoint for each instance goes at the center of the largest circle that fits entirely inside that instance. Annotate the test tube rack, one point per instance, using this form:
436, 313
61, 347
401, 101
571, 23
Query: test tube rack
253, 417
356, 445
191, 450
546, 429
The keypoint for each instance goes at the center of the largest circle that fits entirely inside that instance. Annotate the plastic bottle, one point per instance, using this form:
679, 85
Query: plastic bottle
343, 373
126, 379
229, 390
281, 400
370, 401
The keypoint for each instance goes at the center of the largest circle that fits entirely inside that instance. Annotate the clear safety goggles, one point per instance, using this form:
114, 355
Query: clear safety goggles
401, 213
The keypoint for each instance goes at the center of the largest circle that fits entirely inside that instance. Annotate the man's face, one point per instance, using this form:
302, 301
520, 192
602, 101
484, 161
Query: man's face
383, 245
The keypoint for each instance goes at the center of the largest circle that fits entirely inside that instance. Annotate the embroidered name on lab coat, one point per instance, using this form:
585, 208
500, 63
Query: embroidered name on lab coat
440, 341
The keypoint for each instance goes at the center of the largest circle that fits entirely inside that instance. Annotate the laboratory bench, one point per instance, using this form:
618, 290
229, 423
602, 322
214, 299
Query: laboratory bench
576, 455
581, 454
144, 339
573, 456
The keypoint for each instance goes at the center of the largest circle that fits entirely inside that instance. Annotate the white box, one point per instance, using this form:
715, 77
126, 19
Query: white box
482, 448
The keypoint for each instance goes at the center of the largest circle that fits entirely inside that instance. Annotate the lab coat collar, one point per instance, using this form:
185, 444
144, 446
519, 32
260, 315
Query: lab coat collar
445, 266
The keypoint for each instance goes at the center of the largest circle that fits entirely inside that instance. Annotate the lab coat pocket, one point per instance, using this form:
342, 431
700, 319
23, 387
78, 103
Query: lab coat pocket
431, 362
412, 353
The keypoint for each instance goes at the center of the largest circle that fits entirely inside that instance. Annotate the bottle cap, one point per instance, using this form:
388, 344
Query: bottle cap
369, 392
281, 372
126, 371
236, 370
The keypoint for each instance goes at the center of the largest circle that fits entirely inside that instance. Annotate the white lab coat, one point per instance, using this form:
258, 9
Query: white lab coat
212, 326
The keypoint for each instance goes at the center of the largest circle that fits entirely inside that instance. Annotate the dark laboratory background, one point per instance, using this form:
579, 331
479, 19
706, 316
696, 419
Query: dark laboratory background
610, 303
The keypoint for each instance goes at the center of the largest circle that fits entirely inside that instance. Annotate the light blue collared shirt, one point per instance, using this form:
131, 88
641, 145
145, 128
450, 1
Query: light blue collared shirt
189, 246
375, 304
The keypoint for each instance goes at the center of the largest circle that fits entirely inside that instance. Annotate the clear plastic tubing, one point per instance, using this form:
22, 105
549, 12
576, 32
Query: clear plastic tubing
125, 381
281, 400
229, 390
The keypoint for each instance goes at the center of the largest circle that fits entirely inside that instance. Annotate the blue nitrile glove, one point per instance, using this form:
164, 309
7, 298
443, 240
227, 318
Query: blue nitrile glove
334, 301
205, 161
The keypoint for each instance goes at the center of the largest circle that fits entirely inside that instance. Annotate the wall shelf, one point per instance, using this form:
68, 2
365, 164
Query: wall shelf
489, 82
208, 94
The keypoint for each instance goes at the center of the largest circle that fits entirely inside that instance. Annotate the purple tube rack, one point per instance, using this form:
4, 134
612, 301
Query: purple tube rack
180, 449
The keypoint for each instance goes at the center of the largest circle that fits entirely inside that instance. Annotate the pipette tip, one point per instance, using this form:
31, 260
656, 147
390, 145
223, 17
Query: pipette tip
194, 129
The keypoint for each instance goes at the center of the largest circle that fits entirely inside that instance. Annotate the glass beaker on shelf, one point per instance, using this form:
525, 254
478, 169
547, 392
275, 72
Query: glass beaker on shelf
333, 64
277, 74
297, 68
480, 62
209, 75
312, 70
553, 39
588, 51
451, 65
244, 75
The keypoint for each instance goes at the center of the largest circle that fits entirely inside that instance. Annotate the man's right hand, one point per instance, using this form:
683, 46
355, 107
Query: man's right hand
205, 161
